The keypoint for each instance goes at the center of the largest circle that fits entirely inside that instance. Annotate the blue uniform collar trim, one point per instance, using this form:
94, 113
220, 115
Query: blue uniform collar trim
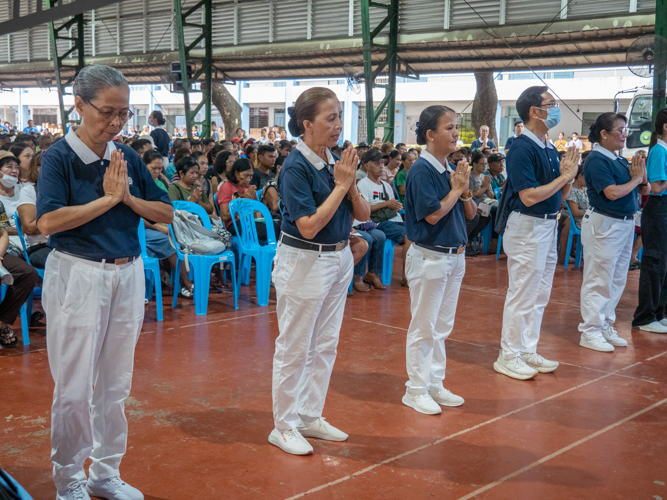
605, 152
84, 153
432, 160
532, 136
312, 158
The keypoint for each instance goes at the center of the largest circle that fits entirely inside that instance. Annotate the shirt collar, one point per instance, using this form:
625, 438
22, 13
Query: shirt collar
312, 157
532, 136
605, 152
431, 159
662, 143
84, 153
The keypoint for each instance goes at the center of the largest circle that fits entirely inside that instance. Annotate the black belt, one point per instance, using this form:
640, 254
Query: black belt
545, 216
445, 250
619, 217
291, 241
118, 262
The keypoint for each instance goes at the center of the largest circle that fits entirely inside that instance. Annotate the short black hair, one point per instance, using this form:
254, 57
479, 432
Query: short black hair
151, 155
284, 143
207, 141
240, 165
220, 164
139, 144
185, 164
531, 97
518, 122
428, 120
213, 153
195, 142
25, 138
394, 153
265, 148
373, 154
400, 144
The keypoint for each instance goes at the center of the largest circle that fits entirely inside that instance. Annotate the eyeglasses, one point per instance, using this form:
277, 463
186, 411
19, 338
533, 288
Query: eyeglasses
552, 104
123, 116
622, 130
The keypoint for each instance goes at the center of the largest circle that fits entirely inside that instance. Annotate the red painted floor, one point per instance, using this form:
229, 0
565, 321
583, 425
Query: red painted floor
200, 410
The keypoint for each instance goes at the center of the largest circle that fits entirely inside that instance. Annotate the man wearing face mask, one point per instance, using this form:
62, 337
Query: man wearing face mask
537, 182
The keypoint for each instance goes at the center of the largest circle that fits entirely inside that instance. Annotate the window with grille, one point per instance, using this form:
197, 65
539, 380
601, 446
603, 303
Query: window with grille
259, 117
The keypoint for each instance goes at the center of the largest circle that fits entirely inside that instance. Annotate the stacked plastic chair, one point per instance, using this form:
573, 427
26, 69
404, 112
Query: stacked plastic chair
201, 264
248, 246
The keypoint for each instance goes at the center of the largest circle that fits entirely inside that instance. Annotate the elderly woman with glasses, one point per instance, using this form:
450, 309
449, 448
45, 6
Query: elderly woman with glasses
608, 230
91, 196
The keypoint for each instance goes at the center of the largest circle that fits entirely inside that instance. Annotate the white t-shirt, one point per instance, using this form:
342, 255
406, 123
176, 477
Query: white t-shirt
576, 142
263, 140
374, 194
28, 196
10, 205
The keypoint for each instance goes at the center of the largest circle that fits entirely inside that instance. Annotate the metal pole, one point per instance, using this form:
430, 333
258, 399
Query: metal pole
369, 80
208, 63
178, 15
391, 85
659, 79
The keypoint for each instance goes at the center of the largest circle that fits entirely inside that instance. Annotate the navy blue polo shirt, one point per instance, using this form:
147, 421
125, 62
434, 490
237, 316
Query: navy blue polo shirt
72, 175
427, 183
531, 164
303, 188
161, 140
602, 170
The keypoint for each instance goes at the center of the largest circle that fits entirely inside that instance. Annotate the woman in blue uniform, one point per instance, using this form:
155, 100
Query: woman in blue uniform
313, 269
608, 230
91, 196
650, 313
437, 204
160, 136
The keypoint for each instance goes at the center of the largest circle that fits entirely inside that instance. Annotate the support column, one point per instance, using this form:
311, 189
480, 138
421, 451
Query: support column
659, 79
289, 101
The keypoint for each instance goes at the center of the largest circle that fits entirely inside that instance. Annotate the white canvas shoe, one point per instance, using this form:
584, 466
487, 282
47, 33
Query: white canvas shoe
77, 493
611, 335
321, 429
423, 403
514, 368
445, 398
290, 441
537, 362
114, 488
655, 327
663, 321
597, 344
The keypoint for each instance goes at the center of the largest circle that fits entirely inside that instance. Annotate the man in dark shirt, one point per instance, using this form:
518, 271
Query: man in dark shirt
266, 160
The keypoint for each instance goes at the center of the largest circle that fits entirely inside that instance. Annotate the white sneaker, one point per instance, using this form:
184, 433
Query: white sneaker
655, 327
537, 362
77, 493
611, 335
597, 344
321, 429
514, 368
423, 403
663, 321
290, 442
445, 398
114, 489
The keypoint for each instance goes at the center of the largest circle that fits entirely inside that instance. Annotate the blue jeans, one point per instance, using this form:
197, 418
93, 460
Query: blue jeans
375, 239
395, 231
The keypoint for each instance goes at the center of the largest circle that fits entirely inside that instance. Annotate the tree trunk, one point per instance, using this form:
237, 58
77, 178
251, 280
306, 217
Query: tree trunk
229, 109
485, 105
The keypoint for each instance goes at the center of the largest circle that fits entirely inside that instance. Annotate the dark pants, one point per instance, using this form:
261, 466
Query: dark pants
38, 255
25, 279
374, 257
261, 229
475, 225
653, 274
394, 231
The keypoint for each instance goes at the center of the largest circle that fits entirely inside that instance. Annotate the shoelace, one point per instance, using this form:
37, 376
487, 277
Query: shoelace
612, 333
78, 493
520, 362
116, 482
424, 398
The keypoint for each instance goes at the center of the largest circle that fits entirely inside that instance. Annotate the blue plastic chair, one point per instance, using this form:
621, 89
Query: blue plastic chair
151, 271
259, 194
26, 312
497, 192
19, 229
574, 231
200, 264
215, 204
388, 261
248, 247
402, 211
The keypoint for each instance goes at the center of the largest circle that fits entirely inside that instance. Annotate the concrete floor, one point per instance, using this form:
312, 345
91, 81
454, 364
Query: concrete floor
200, 410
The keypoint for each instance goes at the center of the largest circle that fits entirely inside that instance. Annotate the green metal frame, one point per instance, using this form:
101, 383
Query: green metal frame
205, 68
391, 64
77, 45
659, 79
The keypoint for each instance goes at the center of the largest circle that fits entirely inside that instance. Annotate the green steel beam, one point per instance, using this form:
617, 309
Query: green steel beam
206, 67
659, 80
77, 46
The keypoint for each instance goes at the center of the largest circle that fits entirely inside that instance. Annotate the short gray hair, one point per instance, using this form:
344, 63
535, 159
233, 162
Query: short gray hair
93, 79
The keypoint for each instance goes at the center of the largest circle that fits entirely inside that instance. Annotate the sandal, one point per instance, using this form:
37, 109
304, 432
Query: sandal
7, 338
36, 319
187, 292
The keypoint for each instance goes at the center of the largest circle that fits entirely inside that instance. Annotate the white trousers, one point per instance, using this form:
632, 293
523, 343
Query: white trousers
435, 281
311, 290
94, 315
532, 254
607, 251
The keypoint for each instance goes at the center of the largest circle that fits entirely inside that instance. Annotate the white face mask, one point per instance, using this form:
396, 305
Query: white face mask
9, 181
